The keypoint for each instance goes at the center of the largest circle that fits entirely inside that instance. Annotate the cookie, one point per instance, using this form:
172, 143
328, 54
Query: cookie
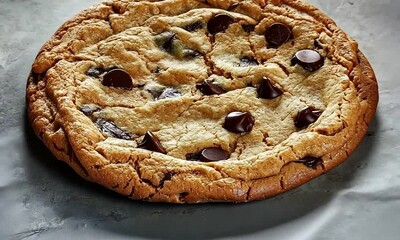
189, 101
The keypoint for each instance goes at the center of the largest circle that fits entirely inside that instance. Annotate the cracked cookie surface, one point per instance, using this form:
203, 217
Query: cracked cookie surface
196, 101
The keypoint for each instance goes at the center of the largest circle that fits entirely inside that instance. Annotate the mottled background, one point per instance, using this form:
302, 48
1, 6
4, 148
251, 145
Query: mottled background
41, 198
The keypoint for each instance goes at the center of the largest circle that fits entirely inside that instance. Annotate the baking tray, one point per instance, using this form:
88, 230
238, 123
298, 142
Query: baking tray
41, 198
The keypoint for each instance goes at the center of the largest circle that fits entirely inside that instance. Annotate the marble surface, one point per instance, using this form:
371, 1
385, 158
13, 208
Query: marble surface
41, 198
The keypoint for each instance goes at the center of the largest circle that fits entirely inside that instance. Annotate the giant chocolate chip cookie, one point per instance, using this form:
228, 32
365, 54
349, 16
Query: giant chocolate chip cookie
196, 101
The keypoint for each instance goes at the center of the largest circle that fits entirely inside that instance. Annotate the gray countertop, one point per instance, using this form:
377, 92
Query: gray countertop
41, 198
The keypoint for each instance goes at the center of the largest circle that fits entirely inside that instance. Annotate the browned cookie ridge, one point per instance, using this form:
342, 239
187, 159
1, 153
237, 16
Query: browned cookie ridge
197, 101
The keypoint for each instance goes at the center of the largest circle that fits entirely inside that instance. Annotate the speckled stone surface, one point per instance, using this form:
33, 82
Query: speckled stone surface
41, 198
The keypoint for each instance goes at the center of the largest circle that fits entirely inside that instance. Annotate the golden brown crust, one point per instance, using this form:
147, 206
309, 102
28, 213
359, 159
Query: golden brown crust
138, 174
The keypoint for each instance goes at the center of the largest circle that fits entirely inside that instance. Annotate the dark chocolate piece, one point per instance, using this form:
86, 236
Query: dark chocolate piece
317, 44
248, 27
167, 45
112, 129
193, 26
248, 61
267, 91
277, 34
169, 92
233, 7
151, 143
219, 23
118, 78
211, 154
311, 162
306, 116
167, 177
209, 88
239, 122
89, 109
188, 53
309, 59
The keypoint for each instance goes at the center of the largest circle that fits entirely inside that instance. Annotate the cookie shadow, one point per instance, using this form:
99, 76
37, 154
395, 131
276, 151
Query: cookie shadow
91, 206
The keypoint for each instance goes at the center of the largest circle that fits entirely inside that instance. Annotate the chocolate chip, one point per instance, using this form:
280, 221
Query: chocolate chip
193, 26
94, 72
219, 23
277, 34
233, 7
167, 177
311, 162
309, 59
209, 88
118, 78
211, 154
306, 116
188, 53
267, 91
112, 129
239, 122
169, 93
318, 44
248, 27
167, 45
150, 142
165, 40
89, 109
248, 61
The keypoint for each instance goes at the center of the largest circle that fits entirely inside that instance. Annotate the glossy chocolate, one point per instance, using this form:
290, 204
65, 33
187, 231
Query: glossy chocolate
219, 23
267, 91
239, 122
151, 143
309, 59
118, 78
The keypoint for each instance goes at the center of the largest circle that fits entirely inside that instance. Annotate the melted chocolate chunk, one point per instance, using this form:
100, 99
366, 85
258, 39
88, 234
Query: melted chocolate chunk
168, 44
151, 143
211, 154
233, 7
193, 26
169, 93
277, 34
188, 53
167, 177
309, 59
209, 88
311, 162
118, 78
267, 91
306, 116
219, 23
95, 72
248, 61
248, 27
317, 44
112, 129
239, 122
89, 109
